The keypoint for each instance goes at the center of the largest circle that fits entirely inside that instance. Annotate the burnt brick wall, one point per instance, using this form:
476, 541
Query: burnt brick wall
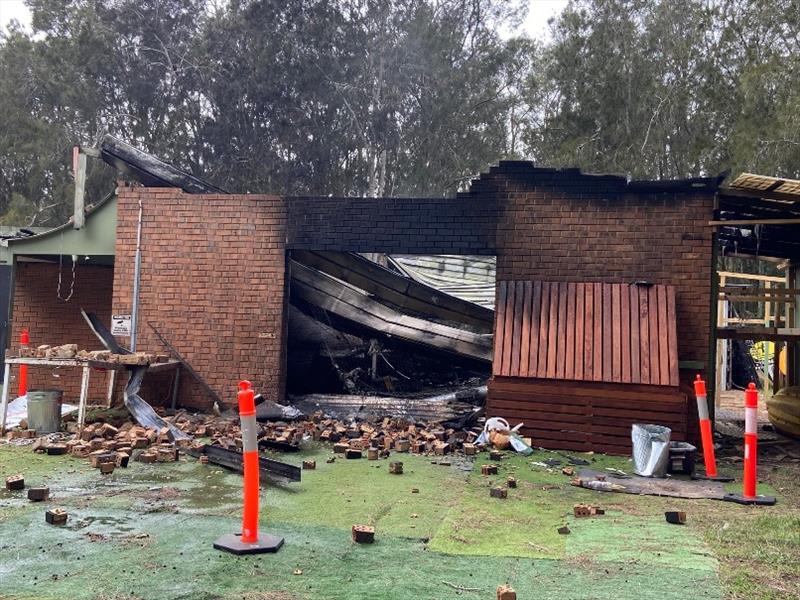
212, 281
53, 321
462, 225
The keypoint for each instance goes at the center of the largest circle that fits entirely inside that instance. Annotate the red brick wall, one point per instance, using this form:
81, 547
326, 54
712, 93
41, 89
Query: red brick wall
212, 281
564, 226
53, 321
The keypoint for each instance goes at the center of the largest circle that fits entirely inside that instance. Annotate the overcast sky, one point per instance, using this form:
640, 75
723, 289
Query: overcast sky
535, 25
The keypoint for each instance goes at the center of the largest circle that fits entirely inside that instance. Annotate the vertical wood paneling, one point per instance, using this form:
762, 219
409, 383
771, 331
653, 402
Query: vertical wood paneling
673, 337
552, 332
625, 332
525, 348
536, 308
505, 365
544, 328
500, 325
588, 332
636, 373
652, 303
516, 336
644, 334
561, 359
607, 335
616, 333
569, 357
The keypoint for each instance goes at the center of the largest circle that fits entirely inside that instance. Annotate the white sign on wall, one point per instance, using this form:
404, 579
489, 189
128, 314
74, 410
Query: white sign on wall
121, 325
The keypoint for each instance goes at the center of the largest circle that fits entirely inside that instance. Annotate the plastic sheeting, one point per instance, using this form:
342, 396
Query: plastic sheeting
18, 410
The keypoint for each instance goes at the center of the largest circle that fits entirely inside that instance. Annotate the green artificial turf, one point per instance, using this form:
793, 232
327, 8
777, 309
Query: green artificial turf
147, 532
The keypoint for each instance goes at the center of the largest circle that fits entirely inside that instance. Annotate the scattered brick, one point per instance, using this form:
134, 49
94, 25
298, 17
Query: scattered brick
506, 592
568, 471
38, 494
340, 448
563, 530
512, 482
676, 517
488, 469
15, 482
372, 453
402, 445
107, 468
495, 455
56, 516
308, 465
470, 449
352, 453
396, 468
498, 492
56, 449
363, 534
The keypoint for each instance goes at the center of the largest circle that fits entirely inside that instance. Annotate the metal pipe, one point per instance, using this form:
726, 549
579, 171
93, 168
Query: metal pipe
136, 273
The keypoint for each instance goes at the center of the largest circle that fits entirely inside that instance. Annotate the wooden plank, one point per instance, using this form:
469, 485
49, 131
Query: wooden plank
516, 332
652, 303
499, 327
616, 334
644, 333
607, 336
508, 326
580, 320
525, 348
663, 336
550, 388
597, 359
544, 330
625, 332
561, 344
588, 333
536, 307
672, 322
569, 358
636, 373
552, 331
535, 407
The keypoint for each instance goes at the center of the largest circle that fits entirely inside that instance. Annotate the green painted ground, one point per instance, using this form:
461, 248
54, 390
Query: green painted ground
146, 532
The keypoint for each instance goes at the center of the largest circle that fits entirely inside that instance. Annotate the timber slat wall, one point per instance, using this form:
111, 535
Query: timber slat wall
579, 363
602, 332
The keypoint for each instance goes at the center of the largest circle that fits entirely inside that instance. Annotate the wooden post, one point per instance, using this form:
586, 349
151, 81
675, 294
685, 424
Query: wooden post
79, 168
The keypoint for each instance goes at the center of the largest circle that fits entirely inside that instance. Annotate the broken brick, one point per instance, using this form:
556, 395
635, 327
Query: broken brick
495, 455
563, 530
148, 457
15, 482
38, 494
498, 492
308, 465
488, 469
363, 534
675, 517
512, 482
56, 449
107, 468
506, 592
470, 449
340, 448
56, 516
99, 457
396, 468
352, 453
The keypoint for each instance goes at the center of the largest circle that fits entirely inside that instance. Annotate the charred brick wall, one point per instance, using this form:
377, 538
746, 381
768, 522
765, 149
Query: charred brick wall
212, 282
463, 225
53, 321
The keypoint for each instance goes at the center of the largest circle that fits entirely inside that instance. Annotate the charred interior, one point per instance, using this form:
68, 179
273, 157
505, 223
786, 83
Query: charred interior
385, 326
